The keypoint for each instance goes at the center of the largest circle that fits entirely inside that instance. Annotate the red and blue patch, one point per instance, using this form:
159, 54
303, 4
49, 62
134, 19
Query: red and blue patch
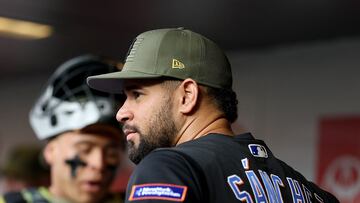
158, 191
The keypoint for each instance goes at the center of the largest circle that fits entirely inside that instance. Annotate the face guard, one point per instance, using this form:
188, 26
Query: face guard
67, 103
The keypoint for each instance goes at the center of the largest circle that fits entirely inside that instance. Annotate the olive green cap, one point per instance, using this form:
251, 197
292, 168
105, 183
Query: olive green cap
175, 53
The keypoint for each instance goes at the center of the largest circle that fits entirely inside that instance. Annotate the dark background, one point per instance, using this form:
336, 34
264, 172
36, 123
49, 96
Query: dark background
107, 27
294, 62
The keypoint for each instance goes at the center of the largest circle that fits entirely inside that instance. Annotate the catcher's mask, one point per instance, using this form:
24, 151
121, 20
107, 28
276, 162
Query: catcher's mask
67, 103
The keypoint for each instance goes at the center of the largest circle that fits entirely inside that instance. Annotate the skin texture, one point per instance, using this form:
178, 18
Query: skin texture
152, 114
154, 127
99, 148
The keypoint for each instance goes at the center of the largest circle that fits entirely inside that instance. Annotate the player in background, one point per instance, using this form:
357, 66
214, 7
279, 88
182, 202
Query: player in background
23, 168
177, 120
84, 143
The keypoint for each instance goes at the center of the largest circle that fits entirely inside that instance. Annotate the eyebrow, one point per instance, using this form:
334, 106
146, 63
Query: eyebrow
132, 87
92, 143
82, 142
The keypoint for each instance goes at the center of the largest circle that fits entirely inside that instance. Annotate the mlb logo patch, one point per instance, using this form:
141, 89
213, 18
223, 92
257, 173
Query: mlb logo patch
158, 191
258, 150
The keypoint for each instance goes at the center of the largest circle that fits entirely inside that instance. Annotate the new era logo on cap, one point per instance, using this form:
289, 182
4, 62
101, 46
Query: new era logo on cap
177, 64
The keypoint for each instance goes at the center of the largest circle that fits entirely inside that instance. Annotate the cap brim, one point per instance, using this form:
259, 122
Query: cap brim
113, 82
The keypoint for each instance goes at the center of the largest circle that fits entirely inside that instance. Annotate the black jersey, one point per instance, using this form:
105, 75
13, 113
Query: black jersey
221, 169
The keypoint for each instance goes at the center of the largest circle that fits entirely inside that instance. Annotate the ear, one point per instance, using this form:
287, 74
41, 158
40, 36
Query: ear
49, 151
189, 93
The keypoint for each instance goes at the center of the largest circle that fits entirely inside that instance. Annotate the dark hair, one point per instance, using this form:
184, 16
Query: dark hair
114, 130
107, 130
225, 99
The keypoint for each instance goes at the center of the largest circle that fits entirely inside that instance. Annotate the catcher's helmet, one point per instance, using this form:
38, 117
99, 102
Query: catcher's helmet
67, 103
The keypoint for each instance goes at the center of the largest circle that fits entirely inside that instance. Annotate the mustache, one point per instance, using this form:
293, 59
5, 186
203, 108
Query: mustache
130, 128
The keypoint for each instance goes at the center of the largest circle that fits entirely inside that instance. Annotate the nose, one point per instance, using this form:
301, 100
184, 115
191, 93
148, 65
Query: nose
96, 160
124, 114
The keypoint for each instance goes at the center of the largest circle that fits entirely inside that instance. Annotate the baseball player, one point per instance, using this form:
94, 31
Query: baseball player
84, 141
176, 118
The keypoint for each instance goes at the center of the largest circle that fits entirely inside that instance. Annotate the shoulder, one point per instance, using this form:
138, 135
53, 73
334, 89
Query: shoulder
165, 174
13, 197
211, 148
195, 154
27, 195
162, 161
188, 156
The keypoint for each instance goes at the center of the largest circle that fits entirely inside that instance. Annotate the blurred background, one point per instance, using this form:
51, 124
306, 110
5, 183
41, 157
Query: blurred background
296, 67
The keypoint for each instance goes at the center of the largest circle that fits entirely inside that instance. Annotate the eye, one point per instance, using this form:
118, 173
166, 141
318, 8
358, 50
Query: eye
136, 94
112, 155
84, 149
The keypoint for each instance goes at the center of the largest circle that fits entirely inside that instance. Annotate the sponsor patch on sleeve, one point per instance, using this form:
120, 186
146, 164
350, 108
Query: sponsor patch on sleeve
158, 191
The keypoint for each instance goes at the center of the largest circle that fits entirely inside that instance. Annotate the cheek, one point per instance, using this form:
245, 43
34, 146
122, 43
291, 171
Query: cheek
61, 165
146, 108
143, 113
60, 158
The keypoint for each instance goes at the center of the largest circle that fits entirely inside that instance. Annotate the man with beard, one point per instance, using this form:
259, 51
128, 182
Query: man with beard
85, 144
176, 119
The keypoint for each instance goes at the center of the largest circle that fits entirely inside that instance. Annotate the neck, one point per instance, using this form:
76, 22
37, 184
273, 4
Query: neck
57, 195
199, 126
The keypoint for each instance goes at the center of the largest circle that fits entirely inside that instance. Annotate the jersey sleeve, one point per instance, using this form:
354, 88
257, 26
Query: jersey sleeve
165, 176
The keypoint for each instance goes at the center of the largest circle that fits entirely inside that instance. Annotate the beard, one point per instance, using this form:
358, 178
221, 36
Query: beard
161, 133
